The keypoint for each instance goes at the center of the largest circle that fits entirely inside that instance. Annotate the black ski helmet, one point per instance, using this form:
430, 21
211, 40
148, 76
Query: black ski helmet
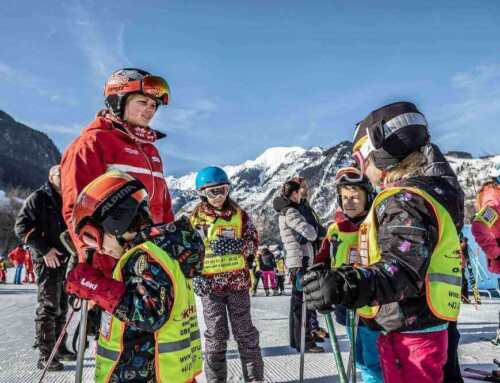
391, 133
351, 176
124, 82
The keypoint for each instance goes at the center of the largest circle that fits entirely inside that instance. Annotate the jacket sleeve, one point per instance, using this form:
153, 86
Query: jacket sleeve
250, 237
28, 226
148, 299
168, 211
486, 240
407, 236
298, 223
81, 163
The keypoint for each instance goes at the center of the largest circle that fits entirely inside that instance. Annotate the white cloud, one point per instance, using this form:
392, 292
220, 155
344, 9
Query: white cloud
71, 129
105, 52
472, 121
35, 84
184, 118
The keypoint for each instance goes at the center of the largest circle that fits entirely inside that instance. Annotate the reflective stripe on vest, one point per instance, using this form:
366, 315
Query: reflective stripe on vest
347, 245
218, 229
443, 281
178, 357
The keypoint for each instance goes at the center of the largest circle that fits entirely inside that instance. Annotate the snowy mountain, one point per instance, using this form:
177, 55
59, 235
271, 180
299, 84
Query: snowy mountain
256, 183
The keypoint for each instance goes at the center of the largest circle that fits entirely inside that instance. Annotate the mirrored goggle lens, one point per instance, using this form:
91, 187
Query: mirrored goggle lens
217, 191
156, 87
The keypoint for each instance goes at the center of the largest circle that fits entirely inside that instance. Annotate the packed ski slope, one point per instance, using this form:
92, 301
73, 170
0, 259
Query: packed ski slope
18, 359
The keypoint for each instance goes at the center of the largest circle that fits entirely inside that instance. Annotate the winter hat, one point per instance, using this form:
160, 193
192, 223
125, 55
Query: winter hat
391, 133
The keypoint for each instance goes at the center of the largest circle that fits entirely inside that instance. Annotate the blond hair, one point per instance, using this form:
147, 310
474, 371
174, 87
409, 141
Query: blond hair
412, 165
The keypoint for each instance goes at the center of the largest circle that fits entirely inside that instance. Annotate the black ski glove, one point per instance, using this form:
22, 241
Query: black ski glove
324, 288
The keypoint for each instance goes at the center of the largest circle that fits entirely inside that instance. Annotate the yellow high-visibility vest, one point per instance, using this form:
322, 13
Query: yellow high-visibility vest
218, 229
443, 280
347, 246
178, 357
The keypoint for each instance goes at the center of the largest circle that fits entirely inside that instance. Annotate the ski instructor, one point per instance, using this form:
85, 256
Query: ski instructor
120, 139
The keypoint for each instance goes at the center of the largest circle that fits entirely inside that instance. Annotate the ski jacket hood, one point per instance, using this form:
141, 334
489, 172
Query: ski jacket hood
441, 182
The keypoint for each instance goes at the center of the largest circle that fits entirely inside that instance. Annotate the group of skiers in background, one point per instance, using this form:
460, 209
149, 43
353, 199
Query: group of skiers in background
389, 265
20, 258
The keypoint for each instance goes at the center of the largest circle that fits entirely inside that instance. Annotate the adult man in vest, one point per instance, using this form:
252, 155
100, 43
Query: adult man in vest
409, 283
149, 330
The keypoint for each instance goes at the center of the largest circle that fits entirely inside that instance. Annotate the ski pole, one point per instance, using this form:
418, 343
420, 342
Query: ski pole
57, 345
82, 339
302, 338
336, 349
353, 320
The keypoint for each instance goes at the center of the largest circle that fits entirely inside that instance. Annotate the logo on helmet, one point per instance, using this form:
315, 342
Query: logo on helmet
117, 197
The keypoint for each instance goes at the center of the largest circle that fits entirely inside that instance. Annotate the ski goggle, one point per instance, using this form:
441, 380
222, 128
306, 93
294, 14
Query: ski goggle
349, 174
216, 191
152, 86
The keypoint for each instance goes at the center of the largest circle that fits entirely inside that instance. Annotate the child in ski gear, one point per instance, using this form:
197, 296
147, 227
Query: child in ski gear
120, 139
39, 225
3, 269
486, 228
280, 273
149, 329
231, 242
16, 257
340, 246
268, 266
298, 237
29, 276
409, 281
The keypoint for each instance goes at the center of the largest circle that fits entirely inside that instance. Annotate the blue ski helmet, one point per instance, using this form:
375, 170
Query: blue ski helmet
211, 176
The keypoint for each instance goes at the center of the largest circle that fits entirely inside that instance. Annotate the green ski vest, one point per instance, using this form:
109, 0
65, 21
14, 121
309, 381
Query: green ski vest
443, 280
178, 357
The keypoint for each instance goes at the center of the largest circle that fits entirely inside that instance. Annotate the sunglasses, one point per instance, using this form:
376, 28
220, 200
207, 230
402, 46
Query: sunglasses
216, 191
152, 86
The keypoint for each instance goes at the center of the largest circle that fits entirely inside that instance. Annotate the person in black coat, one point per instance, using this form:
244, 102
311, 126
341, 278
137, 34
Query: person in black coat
39, 225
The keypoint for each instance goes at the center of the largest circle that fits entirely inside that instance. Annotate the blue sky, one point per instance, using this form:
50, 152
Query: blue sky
247, 75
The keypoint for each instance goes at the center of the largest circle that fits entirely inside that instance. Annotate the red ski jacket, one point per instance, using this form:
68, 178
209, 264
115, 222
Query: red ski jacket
17, 255
486, 231
104, 146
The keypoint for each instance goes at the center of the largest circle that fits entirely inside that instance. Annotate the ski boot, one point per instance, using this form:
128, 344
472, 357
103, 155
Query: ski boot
267, 292
55, 365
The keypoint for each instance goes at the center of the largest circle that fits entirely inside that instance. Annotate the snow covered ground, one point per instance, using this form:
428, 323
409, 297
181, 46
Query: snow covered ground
18, 359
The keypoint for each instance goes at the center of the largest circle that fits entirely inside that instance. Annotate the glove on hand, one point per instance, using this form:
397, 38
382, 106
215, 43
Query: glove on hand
324, 288
88, 283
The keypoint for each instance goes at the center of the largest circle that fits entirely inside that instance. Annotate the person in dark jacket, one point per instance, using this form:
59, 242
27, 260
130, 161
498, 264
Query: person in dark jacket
409, 282
39, 225
268, 268
312, 218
